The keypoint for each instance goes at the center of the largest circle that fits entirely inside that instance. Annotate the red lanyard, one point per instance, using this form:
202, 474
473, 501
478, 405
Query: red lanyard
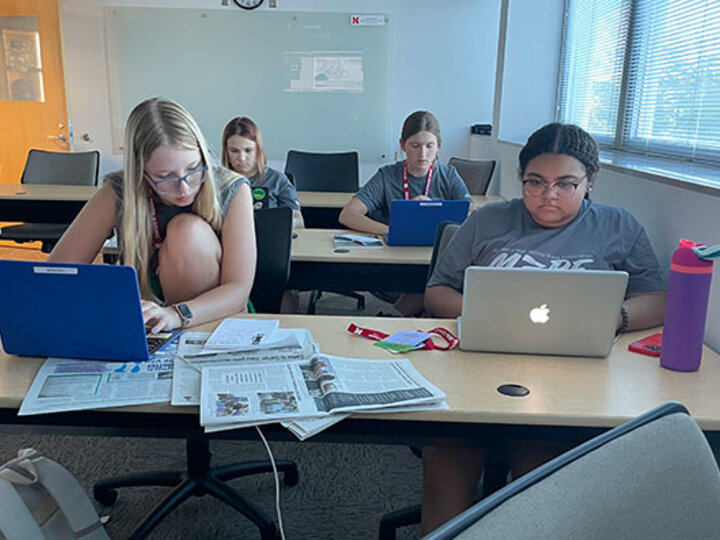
406, 184
376, 335
157, 239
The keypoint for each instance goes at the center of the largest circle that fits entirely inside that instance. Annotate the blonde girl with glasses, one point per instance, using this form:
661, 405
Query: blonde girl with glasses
185, 224
554, 225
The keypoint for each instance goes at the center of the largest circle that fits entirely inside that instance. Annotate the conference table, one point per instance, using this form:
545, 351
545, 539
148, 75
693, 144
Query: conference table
316, 264
52, 203
43, 203
571, 399
321, 209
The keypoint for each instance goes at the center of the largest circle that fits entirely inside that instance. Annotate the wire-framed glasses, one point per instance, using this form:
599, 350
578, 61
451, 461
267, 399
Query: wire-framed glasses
170, 184
564, 189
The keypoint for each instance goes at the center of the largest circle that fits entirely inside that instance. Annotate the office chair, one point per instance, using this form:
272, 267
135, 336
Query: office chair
337, 172
497, 466
63, 168
273, 234
313, 171
273, 230
475, 173
652, 477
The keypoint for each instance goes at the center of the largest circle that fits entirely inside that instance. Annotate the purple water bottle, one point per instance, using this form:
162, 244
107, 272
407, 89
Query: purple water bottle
687, 302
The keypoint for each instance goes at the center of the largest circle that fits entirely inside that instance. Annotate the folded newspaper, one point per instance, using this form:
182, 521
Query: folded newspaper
281, 391
356, 241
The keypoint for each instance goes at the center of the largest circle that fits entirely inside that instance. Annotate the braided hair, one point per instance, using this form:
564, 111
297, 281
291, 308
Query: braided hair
567, 139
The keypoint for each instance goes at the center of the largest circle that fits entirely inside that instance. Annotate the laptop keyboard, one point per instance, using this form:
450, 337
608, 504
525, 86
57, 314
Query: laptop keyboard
158, 341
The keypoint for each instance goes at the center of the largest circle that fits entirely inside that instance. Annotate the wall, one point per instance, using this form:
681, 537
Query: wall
443, 59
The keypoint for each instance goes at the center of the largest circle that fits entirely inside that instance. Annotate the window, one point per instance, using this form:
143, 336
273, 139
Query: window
643, 76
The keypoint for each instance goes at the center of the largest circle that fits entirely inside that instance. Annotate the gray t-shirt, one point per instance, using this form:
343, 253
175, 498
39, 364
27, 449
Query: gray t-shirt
227, 181
387, 185
503, 234
273, 190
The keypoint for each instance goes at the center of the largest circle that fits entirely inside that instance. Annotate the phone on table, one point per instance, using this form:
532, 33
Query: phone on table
649, 345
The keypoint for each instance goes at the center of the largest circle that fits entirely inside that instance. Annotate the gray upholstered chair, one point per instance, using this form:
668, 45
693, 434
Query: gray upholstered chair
62, 168
476, 173
652, 477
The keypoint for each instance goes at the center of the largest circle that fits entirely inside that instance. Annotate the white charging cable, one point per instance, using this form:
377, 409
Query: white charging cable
277, 482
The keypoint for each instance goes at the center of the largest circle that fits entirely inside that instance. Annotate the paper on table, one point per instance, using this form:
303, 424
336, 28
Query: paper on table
191, 358
233, 333
356, 241
72, 385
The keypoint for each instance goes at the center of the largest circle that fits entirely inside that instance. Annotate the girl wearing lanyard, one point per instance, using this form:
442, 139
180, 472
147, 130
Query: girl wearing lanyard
183, 223
420, 176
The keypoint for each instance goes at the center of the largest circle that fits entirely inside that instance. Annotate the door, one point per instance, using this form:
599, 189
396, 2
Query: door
33, 113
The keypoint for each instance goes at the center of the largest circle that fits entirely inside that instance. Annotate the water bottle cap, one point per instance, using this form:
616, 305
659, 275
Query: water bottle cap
684, 258
684, 242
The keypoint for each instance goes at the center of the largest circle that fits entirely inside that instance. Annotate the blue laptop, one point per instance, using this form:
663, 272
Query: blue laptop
413, 223
87, 311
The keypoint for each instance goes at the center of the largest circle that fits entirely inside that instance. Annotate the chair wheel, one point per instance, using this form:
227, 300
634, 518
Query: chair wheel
290, 478
105, 496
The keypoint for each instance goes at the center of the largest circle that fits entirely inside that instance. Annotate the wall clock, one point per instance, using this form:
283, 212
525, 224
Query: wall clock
248, 4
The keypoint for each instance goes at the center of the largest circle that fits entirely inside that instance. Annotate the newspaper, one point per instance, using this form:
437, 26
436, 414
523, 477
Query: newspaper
325, 384
72, 385
192, 357
304, 429
242, 334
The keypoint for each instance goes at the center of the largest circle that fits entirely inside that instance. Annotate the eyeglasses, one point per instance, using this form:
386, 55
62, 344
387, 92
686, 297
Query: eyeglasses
563, 189
168, 185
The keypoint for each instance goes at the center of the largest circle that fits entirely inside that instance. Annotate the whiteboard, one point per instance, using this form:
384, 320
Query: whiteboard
311, 81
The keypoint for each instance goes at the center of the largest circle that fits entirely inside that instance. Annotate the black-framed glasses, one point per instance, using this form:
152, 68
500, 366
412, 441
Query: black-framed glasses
168, 185
564, 188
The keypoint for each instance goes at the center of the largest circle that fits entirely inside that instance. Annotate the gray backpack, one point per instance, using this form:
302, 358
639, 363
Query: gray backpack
40, 499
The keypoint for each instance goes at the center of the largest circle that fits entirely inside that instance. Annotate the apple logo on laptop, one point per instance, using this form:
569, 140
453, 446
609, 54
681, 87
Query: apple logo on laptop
540, 315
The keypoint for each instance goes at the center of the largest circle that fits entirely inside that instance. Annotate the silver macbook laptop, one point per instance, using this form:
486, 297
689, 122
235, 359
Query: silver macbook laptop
535, 311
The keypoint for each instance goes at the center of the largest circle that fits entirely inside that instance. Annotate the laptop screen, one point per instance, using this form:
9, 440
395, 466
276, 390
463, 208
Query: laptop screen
413, 223
88, 311
538, 311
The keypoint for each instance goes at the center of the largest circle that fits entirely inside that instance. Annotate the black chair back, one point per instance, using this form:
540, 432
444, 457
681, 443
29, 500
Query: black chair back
67, 168
273, 233
476, 173
443, 234
323, 172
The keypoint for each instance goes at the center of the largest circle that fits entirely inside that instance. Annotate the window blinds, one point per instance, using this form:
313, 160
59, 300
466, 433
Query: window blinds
644, 75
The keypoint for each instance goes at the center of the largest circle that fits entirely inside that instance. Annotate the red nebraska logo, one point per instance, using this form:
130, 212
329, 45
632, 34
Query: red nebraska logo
355, 20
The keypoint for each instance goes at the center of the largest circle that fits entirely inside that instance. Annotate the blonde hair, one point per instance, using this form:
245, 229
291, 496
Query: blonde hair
245, 127
159, 122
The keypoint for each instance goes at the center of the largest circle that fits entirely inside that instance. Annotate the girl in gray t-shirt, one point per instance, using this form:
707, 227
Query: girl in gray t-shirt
243, 152
554, 225
420, 176
185, 225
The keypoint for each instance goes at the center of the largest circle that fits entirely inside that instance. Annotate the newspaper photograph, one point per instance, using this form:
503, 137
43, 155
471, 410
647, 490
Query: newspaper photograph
298, 345
71, 385
307, 389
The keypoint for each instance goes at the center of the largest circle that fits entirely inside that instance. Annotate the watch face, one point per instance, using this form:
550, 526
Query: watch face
184, 311
248, 4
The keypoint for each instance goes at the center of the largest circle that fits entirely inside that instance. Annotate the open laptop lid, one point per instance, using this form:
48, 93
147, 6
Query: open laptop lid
529, 310
413, 223
71, 311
